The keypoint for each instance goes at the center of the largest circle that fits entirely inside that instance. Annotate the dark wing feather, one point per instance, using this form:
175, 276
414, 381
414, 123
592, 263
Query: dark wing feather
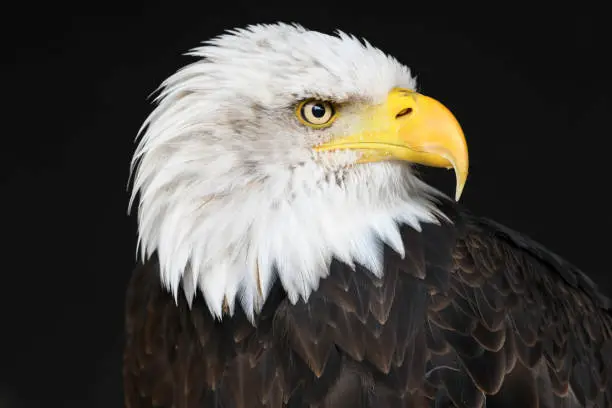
474, 314
522, 325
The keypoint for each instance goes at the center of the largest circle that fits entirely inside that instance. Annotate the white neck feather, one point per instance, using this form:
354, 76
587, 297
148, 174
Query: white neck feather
234, 246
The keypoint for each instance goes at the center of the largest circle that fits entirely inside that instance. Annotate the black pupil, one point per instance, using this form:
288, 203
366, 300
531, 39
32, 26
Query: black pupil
318, 110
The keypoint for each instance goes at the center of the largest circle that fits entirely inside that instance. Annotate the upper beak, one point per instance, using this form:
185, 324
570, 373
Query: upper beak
410, 127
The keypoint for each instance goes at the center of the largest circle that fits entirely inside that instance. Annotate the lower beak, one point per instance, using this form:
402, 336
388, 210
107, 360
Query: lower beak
409, 127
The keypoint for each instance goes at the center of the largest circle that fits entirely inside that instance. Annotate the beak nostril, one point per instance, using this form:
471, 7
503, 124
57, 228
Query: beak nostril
403, 112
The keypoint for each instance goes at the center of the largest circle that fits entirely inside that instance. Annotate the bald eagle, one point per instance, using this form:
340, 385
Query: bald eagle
291, 256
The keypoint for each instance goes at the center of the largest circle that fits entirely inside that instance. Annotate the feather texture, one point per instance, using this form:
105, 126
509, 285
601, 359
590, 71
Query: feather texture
474, 315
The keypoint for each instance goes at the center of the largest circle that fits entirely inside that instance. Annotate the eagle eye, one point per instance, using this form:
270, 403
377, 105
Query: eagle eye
316, 113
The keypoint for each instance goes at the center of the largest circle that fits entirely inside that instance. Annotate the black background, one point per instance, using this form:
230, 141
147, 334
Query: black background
533, 94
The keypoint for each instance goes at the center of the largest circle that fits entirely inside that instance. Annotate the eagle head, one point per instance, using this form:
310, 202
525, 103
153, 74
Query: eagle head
278, 150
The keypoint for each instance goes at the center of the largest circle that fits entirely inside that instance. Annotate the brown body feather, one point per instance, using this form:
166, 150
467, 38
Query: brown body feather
475, 315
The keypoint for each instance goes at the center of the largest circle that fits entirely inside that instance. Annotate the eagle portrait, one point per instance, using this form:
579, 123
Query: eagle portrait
291, 256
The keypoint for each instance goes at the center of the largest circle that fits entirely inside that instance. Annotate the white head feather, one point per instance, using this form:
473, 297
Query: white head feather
231, 193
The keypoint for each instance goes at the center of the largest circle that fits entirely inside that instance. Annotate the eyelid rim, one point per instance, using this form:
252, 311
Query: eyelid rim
303, 121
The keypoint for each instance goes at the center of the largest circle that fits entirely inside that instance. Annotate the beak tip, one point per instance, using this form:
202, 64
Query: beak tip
459, 187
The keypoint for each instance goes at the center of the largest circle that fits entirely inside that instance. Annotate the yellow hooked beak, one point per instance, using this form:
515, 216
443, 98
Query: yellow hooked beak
409, 127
